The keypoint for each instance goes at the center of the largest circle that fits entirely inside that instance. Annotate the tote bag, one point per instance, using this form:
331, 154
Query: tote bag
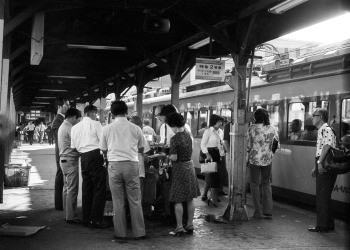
209, 167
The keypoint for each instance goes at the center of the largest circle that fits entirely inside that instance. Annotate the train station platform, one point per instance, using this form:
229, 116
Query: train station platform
34, 206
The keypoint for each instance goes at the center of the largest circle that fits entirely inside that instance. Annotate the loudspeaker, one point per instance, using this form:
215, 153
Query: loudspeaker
156, 24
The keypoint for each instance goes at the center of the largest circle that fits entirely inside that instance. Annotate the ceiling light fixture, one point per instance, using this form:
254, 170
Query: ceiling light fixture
201, 43
98, 47
153, 65
46, 103
45, 97
77, 98
85, 94
286, 5
67, 77
53, 90
110, 83
97, 89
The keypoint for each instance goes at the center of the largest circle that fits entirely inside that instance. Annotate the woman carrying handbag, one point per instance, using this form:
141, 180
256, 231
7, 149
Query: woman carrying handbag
210, 145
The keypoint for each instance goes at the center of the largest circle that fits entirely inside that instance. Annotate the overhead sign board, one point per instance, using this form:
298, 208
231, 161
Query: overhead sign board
210, 69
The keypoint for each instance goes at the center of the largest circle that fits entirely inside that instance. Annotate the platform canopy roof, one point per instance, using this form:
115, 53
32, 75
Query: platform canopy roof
135, 41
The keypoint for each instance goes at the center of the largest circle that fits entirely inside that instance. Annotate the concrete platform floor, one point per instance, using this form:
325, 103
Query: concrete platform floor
34, 206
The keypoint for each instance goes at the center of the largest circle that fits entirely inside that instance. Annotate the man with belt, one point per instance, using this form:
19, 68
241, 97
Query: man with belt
62, 107
69, 161
85, 138
121, 141
324, 181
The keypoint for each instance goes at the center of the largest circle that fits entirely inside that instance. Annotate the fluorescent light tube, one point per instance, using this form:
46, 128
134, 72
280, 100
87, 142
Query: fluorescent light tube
84, 46
67, 77
201, 43
286, 5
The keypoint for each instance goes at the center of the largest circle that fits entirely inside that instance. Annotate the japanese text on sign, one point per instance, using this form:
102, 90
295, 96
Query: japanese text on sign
210, 69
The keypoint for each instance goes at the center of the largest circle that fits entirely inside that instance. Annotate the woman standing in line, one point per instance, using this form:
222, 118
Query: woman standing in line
210, 145
260, 139
184, 185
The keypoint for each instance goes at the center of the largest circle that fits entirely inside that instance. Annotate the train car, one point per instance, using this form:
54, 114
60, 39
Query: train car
291, 93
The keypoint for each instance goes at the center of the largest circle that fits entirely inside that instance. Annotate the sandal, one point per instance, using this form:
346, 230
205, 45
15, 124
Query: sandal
189, 229
177, 232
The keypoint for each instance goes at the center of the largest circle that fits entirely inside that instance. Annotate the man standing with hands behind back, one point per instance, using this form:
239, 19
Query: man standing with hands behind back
62, 107
85, 137
324, 180
121, 142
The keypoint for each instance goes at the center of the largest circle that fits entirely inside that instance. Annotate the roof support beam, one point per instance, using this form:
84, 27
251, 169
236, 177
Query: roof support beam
19, 51
18, 69
21, 17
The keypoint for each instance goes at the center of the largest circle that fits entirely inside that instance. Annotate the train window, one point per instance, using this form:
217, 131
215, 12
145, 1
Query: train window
190, 121
226, 114
300, 125
202, 117
345, 123
273, 113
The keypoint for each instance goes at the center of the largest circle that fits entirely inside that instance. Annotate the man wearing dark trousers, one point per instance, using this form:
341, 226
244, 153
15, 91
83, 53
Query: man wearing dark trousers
62, 107
85, 137
324, 180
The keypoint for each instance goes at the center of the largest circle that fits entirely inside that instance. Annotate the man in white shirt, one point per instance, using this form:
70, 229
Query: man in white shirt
121, 142
149, 132
41, 130
69, 161
85, 137
30, 130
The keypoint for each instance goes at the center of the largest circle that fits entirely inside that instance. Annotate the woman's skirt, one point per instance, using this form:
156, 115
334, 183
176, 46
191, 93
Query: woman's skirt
184, 183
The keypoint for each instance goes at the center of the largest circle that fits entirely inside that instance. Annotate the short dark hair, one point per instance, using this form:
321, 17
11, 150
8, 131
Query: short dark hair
119, 108
146, 122
324, 113
90, 109
71, 112
60, 101
136, 120
214, 120
168, 109
175, 120
262, 116
204, 124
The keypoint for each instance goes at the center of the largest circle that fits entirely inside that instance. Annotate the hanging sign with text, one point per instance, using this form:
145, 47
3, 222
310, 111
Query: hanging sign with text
210, 69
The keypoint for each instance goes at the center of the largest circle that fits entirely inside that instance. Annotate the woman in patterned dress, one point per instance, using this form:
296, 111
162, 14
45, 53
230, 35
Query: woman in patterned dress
260, 139
184, 185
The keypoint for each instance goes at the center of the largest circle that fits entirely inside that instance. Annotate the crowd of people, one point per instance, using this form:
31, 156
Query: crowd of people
31, 132
115, 157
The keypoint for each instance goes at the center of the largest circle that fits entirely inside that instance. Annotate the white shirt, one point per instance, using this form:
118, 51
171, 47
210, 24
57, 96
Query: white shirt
210, 139
142, 172
41, 128
122, 139
30, 127
170, 133
85, 135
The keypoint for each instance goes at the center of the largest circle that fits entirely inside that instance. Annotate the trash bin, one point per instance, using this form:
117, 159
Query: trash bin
16, 175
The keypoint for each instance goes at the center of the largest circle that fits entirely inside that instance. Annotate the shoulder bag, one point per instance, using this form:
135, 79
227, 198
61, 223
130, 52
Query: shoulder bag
337, 161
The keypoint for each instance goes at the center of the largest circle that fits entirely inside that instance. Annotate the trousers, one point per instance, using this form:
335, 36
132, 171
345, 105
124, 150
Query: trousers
267, 203
94, 186
70, 170
124, 183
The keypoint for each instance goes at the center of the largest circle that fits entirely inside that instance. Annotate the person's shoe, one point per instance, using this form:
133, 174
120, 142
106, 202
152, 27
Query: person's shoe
177, 232
59, 208
222, 193
318, 229
98, 225
268, 215
204, 198
189, 229
74, 221
141, 238
120, 238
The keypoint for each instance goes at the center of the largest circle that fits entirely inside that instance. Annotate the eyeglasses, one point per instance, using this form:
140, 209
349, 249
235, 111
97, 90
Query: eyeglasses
315, 116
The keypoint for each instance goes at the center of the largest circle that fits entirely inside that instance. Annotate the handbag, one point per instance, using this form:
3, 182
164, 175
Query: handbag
274, 145
337, 161
209, 167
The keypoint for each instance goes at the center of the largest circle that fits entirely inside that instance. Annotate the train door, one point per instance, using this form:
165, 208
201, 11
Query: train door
191, 121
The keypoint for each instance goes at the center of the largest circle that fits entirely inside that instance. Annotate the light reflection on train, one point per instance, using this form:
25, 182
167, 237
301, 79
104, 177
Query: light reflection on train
291, 95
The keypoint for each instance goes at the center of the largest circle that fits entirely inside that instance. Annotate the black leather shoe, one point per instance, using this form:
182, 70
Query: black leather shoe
141, 238
121, 238
318, 229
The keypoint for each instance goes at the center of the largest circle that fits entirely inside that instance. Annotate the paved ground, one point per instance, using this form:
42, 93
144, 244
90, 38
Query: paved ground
33, 206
